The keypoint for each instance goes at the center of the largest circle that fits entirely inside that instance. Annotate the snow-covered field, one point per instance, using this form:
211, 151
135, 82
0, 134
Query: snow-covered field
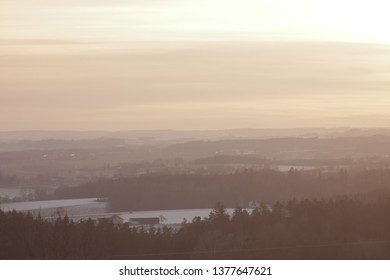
171, 216
68, 206
92, 208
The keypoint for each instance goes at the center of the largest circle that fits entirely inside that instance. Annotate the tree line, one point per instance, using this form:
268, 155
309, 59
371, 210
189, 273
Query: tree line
183, 191
339, 228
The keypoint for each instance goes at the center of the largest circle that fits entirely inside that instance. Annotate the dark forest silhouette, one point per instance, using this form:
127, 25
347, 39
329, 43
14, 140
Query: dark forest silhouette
339, 228
181, 191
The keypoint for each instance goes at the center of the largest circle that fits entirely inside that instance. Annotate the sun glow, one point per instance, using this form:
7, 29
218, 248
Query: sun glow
193, 63
347, 21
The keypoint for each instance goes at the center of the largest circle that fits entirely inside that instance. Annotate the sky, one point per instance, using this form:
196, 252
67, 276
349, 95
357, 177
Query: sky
193, 64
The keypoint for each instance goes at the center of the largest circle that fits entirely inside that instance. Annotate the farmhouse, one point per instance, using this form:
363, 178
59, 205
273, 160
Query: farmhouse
144, 221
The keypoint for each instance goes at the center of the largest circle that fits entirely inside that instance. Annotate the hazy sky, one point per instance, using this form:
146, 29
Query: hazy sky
193, 64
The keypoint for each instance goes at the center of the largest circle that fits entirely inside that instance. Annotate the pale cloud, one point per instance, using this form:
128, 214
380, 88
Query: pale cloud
114, 22
210, 86
94, 64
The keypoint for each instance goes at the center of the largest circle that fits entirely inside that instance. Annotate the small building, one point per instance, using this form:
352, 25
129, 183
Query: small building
144, 221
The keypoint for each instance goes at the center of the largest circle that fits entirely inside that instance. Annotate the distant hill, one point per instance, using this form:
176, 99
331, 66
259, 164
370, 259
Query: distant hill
186, 135
290, 147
